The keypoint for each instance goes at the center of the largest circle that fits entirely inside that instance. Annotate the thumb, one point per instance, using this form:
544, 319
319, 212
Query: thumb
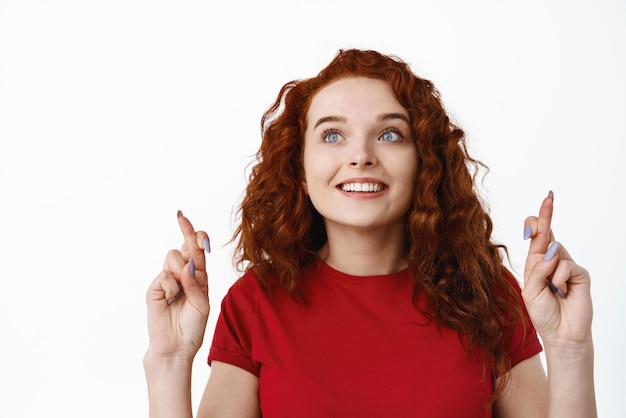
196, 294
540, 272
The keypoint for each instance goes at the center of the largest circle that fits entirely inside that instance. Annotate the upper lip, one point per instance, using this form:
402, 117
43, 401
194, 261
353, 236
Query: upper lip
361, 180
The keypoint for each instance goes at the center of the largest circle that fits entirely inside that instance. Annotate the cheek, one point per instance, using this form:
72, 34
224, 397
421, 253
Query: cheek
412, 167
409, 173
317, 167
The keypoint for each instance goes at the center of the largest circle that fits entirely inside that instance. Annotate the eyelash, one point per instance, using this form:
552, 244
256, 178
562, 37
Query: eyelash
396, 131
327, 132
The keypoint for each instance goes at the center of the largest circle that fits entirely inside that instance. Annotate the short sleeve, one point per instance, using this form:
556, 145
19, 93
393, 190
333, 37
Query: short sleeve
232, 340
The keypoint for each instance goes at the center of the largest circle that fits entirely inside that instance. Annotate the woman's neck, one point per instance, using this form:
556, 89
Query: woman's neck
366, 252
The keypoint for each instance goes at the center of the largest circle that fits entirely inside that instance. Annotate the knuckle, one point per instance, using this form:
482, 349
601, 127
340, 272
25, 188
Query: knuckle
173, 254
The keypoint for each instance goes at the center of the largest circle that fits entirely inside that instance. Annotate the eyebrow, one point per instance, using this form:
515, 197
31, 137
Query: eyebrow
329, 119
381, 118
389, 116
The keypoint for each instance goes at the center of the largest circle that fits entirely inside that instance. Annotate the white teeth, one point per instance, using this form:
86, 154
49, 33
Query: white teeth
362, 187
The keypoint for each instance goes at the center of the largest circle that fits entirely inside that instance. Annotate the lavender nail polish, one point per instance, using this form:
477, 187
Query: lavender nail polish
207, 245
552, 249
553, 289
527, 232
192, 267
561, 293
173, 298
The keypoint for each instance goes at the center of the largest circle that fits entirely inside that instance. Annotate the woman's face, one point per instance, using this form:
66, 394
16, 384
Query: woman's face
360, 158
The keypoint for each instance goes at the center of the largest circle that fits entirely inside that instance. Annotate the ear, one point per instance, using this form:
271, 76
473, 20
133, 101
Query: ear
305, 188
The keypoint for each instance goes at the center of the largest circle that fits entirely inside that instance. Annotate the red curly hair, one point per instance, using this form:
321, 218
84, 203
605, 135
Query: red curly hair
450, 252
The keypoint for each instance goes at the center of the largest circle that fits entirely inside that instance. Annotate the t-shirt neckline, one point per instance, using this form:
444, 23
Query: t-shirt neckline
387, 278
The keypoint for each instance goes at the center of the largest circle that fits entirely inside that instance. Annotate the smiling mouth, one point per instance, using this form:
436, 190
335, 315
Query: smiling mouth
362, 187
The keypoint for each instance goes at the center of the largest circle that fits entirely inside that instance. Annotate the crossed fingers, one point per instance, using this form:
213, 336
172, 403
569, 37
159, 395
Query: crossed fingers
188, 266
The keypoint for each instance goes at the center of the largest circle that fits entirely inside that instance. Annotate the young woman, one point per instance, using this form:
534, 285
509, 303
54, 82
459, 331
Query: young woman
371, 285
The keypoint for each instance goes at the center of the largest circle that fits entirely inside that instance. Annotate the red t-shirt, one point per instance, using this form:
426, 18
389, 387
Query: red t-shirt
358, 347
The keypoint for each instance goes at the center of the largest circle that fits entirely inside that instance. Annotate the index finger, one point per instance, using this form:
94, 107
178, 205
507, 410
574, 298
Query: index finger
541, 240
191, 241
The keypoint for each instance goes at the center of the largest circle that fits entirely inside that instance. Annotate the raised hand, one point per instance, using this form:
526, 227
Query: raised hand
556, 289
178, 303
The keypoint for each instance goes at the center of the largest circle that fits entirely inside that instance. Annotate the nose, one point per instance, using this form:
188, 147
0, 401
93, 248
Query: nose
357, 164
362, 154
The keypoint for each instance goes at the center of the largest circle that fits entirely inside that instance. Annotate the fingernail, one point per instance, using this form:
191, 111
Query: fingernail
527, 232
179, 214
173, 298
551, 194
561, 293
207, 245
552, 287
552, 249
192, 267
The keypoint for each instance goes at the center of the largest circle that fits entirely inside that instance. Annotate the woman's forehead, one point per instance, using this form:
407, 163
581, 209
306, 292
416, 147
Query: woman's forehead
347, 96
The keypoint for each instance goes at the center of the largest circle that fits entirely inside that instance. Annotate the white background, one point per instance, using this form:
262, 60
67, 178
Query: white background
115, 114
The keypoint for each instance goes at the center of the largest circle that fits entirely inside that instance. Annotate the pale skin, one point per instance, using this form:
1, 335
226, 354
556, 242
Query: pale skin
364, 151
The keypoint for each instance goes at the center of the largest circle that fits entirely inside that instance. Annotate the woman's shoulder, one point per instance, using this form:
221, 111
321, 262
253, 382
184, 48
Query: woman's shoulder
250, 286
246, 284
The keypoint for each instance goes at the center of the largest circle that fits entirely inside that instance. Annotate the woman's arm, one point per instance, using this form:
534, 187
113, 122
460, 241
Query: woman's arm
230, 392
178, 308
526, 394
169, 386
571, 389
557, 296
568, 391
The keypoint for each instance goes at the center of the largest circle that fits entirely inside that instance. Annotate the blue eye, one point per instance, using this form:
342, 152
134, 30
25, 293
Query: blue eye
331, 136
390, 136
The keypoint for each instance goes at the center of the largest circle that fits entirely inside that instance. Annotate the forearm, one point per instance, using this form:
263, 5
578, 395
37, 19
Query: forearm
571, 390
169, 386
